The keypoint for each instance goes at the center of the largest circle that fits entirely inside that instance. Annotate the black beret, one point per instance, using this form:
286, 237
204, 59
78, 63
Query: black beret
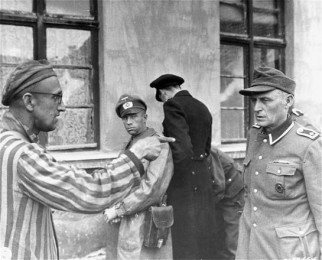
164, 81
267, 79
128, 104
25, 75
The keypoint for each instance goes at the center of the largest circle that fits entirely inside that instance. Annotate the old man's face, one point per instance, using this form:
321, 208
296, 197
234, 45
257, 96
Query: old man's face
271, 108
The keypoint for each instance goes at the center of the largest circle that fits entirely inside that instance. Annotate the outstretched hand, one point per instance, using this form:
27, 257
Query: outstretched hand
149, 147
163, 139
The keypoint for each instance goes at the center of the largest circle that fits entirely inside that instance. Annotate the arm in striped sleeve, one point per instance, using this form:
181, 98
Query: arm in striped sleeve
71, 189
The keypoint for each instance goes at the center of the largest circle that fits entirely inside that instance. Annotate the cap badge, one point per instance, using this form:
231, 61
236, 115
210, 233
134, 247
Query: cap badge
127, 105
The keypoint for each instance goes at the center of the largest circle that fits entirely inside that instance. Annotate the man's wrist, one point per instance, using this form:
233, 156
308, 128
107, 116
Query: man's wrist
119, 209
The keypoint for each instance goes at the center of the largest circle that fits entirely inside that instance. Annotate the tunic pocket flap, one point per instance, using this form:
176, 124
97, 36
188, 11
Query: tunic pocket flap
296, 231
280, 169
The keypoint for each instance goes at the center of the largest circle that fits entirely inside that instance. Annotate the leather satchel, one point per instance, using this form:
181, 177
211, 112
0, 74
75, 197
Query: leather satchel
158, 221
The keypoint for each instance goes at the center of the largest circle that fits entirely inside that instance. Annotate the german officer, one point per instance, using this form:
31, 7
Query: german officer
189, 121
282, 217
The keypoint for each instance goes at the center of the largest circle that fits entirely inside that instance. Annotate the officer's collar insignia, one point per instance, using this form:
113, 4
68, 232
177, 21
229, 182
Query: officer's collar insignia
297, 112
257, 126
308, 133
274, 137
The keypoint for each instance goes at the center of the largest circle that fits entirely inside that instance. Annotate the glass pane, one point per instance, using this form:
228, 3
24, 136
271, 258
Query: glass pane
267, 4
4, 74
16, 5
229, 92
267, 57
265, 24
68, 7
232, 124
231, 60
233, 18
75, 127
69, 47
16, 44
76, 86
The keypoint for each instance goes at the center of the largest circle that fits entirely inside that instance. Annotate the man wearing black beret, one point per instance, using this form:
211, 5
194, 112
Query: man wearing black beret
190, 191
282, 216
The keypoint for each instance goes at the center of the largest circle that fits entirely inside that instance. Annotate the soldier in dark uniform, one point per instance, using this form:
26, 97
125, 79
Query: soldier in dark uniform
190, 192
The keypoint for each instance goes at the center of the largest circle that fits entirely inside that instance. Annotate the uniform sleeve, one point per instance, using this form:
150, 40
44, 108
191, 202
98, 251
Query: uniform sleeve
312, 169
71, 189
153, 185
175, 125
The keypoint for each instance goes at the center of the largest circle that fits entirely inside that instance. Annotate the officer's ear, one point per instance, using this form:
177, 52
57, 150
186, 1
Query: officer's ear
289, 100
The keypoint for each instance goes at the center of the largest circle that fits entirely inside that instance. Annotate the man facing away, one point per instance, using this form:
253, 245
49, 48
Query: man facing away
190, 190
282, 217
32, 182
132, 209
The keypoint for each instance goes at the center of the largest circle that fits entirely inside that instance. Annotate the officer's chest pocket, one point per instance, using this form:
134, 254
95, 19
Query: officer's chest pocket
299, 242
280, 180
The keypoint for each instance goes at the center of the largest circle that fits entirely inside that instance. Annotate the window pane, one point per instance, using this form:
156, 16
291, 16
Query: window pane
267, 4
16, 44
16, 5
75, 127
232, 124
265, 24
231, 60
73, 47
267, 57
76, 86
70, 7
229, 92
233, 17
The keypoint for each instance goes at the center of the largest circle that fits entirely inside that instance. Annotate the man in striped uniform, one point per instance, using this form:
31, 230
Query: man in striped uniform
32, 182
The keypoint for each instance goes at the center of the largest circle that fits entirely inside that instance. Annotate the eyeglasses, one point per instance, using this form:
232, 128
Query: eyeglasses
57, 97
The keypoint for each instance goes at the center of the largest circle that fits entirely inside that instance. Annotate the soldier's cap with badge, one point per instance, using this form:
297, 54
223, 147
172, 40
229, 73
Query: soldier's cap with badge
165, 81
267, 79
25, 75
129, 104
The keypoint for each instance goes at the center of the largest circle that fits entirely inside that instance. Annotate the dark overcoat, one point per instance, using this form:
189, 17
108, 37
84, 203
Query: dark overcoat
190, 191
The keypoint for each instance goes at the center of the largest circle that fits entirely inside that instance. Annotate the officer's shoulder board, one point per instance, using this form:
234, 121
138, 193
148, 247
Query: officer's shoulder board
256, 126
307, 132
297, 112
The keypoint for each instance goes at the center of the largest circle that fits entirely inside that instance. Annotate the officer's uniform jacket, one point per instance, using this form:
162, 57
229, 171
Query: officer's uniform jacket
282, 217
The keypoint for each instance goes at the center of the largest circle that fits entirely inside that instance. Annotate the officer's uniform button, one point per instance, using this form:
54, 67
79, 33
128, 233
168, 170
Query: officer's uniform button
255, 208
255, 190
279, 171
279, 187
260, 157
193, 173
265, 140
201, 155
229, 180
195, 188
256, 173
254, 225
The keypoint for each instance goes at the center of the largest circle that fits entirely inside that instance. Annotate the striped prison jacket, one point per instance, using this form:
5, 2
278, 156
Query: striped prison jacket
32, 183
